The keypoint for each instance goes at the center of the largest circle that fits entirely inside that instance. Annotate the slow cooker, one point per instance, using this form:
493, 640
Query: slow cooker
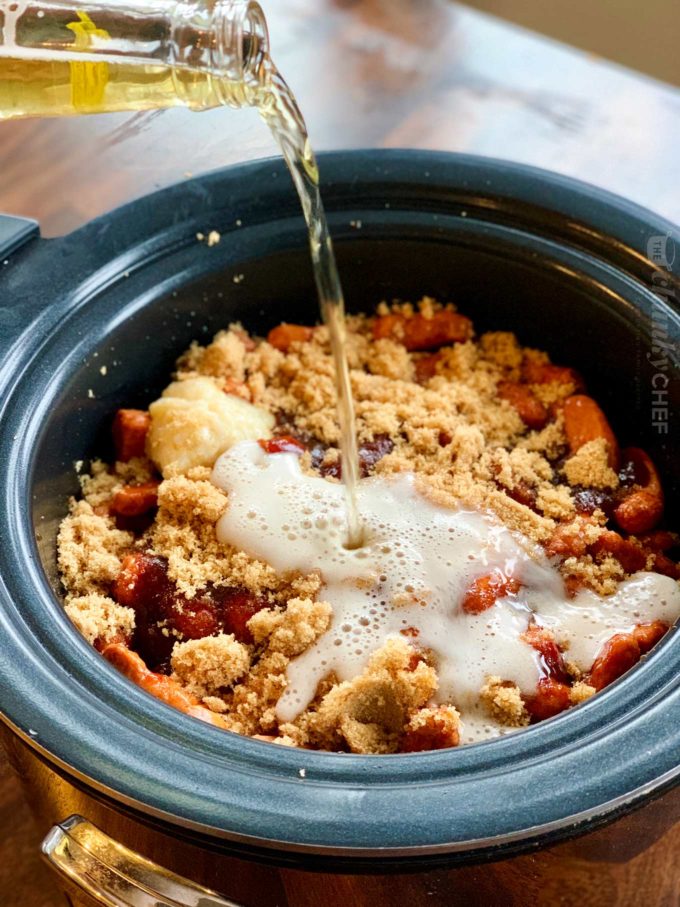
580, 809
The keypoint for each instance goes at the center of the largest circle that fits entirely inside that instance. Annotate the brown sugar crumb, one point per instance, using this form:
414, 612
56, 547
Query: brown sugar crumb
184, 533
223, 358
552, 392
518, 466
532, 357
196, 559
187, 499
519, 517
428, 306
602, 577
573, 670
90, 550
504, 702
101, 483
432, 729
99, 619
580, 692
207, 666
253, 703
530, 466
390, 360
369, 714
215, 704
550, 441
134, 471
555, 502
292, 630
99, 486
502, 348
281, 740
300, 586
589, 466
291, 735
579, 531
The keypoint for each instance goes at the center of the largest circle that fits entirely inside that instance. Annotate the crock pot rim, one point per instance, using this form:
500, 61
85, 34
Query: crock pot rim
371, 859
394, 163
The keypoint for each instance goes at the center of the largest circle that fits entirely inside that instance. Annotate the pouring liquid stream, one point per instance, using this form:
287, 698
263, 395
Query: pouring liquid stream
281, 113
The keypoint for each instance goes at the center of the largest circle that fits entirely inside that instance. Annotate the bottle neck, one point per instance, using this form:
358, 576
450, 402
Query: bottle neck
226, 40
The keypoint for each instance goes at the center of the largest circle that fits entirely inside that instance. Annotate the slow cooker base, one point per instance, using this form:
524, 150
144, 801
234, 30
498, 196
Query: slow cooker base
629, 862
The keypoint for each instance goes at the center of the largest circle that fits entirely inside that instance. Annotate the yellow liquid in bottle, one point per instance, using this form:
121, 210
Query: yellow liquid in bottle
30, 88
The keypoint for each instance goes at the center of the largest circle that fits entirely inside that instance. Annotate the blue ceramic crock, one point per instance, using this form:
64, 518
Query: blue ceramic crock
569, 268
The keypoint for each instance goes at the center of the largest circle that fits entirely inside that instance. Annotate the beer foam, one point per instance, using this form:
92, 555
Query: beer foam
409, 577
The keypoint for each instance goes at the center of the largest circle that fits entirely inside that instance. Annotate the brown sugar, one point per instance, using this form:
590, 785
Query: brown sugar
224, 358
184, 534
504, 702
503, 349
555, 503
208, 666
291, 630
589, 466
369, 714
99, 618
90, 550
432, 728
602, 577
253, 702
580, 692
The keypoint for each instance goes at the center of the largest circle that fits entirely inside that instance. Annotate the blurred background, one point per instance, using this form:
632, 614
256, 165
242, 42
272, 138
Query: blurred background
585, 87
643, 35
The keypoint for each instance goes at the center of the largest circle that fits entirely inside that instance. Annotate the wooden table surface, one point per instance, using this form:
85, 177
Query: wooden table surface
397, 73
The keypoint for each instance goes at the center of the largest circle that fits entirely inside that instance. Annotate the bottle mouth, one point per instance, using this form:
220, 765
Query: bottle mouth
241, 52
226, 41
254, 42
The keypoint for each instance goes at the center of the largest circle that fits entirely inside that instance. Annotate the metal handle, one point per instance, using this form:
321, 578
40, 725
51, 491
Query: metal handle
17, 310
112, 875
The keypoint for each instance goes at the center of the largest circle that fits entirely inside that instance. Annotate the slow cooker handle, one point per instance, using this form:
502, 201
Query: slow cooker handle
14, 232
110, 874
16, 312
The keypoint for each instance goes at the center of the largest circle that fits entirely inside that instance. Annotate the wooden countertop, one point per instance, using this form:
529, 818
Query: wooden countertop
395, 73
431, 74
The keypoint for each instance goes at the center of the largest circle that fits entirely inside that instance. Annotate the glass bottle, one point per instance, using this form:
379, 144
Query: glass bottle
59, 58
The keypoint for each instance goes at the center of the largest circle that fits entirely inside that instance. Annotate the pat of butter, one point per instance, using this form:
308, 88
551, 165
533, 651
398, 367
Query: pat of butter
194, 422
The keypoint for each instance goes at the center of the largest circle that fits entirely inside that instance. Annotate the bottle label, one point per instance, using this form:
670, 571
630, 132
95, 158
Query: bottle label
88, 80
